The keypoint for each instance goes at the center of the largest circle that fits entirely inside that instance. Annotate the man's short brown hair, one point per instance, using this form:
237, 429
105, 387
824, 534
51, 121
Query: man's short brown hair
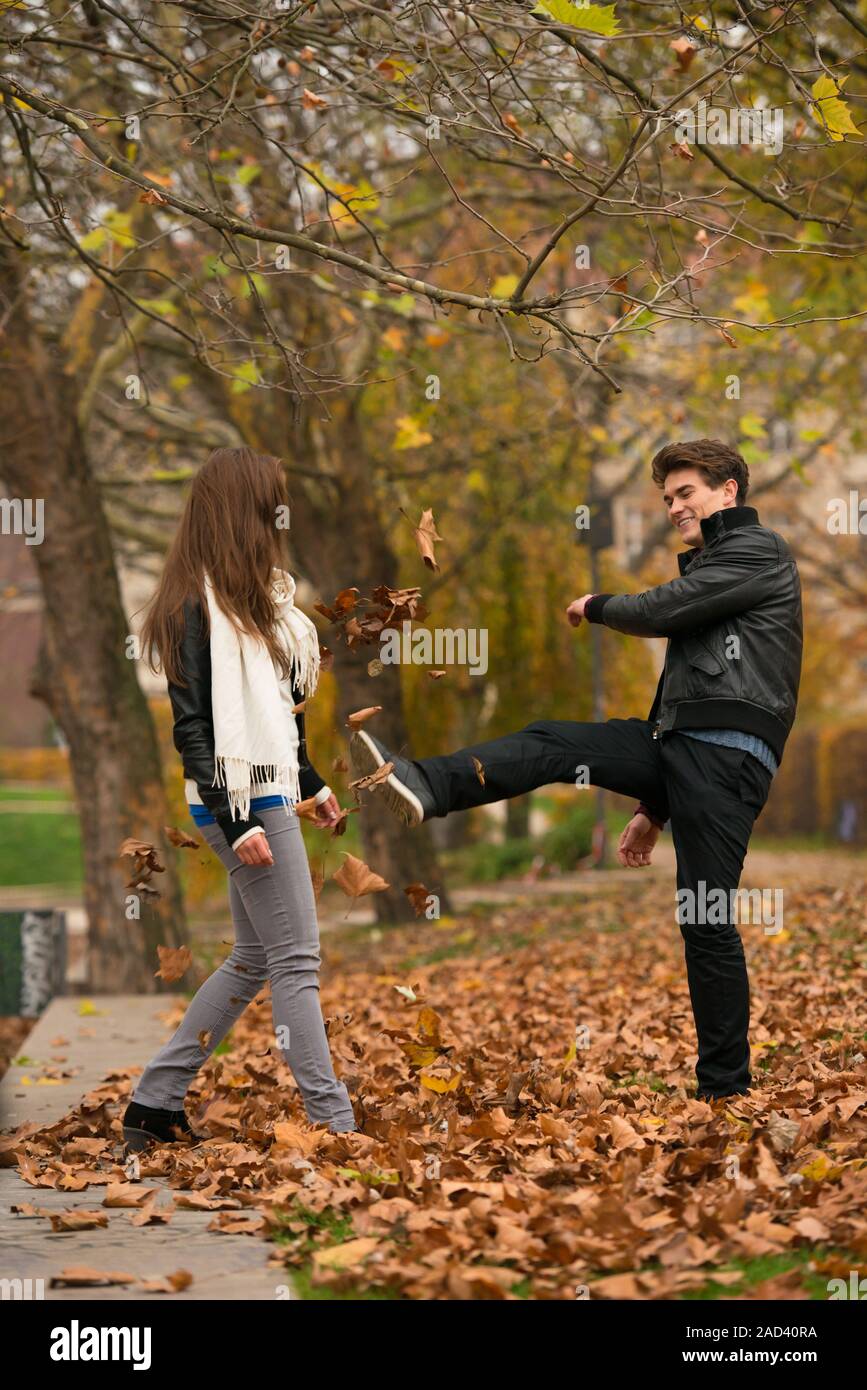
715, 460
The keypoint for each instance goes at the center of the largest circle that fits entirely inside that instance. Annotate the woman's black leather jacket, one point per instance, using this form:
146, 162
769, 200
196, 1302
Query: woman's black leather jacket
194, 728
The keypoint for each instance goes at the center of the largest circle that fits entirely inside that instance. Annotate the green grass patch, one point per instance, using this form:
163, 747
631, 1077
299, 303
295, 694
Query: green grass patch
338, 1229
34, 793
43, 848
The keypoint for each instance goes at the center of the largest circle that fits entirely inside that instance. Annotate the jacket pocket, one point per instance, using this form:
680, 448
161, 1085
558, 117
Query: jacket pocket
704, 659
702, 667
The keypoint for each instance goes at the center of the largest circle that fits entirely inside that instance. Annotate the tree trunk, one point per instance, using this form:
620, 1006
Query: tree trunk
86, 677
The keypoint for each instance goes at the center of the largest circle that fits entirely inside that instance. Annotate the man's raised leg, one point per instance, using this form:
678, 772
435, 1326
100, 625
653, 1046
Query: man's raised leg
620, 755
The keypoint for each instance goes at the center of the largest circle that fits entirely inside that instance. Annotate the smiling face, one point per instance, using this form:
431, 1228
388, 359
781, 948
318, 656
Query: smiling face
689, 497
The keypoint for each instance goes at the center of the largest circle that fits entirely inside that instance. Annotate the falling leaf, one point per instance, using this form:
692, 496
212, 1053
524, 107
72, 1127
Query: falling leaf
425, 536
480, 771
684, 52
418, 896
175, 961
361, 716
436, 675
180, 839
372, 779
356, 879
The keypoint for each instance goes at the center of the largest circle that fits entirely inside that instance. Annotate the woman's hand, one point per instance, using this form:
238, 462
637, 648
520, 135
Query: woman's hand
256, 850
327, 813
637, 842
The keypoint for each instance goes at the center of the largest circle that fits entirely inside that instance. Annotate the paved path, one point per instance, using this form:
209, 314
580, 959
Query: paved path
124, 1033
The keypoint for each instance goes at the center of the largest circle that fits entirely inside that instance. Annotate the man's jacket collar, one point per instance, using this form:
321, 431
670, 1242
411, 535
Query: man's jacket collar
712, 527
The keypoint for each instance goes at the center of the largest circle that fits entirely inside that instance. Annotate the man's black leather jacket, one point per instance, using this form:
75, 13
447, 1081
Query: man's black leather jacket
194, 728
735, 629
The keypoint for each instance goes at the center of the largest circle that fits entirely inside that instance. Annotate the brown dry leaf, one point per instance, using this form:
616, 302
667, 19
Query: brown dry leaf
197, 1201
418, 896
425, 538
356, 878
480, 771
290, 1136
83, 1276
684, 52
372, 779
170, 1283
317, 878
77, 1219
340, 824
150, 1215
436, 675
344, 603
340, 764
732, 342
610, 1166
127, 1194
146, 862
361, 716
311, 101
175, 961
346, 1256
682, 150
180, 839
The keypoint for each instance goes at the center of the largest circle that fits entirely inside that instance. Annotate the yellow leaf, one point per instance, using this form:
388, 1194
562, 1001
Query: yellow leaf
439, 1084
418, 1055
821, 1169
504, 286
596, 19
830, 110
410, 434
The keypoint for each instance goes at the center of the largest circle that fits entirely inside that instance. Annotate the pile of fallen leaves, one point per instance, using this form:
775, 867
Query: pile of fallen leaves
525, 1081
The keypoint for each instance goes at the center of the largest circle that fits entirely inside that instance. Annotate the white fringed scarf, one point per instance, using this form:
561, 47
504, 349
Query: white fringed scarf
254, 742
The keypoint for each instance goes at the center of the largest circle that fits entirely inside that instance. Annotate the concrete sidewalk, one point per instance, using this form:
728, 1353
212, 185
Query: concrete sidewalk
124, 1032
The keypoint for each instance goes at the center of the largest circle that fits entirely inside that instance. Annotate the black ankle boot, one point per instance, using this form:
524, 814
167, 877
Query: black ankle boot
143, 1126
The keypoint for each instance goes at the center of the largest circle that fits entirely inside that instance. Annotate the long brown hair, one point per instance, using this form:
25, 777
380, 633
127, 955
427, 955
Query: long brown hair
228, 530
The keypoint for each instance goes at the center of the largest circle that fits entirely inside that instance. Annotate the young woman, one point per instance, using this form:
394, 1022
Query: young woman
238, 656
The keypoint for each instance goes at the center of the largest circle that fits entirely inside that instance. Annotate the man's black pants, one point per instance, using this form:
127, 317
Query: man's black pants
711, 793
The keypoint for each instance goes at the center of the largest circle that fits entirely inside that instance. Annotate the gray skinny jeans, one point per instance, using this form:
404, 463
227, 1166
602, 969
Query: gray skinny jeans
276, 938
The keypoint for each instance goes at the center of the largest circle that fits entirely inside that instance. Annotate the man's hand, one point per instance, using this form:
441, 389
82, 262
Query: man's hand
575, 611
256, 850
327, 812
636, 843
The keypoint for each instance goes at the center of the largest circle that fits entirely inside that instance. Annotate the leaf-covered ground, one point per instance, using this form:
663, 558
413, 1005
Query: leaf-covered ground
501, 1160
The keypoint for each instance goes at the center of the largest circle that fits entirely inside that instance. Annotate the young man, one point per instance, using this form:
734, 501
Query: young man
704, 757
